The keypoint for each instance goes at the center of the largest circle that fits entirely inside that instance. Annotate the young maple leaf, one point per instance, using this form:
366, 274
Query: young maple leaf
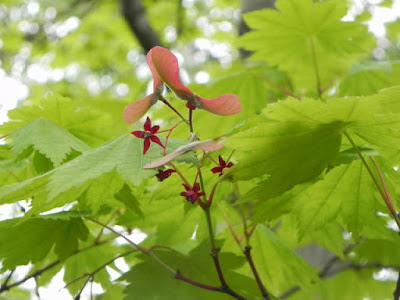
222, 166
164, 174
192, 193
148, 135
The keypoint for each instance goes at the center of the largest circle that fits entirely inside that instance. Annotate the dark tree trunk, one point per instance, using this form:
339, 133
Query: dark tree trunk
135, 16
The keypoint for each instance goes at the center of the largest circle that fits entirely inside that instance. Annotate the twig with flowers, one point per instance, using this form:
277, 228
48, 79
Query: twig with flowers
165, 70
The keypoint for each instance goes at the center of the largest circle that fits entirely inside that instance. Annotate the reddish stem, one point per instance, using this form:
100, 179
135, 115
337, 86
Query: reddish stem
169, 133
247, 253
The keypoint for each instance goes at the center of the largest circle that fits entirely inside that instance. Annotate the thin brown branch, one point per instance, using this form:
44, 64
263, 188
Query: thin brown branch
7, 279
78, 296
6, 287
386, 196
95, 271
214, 255
371, 174
261, 286
177, 275
141, 249
165, 101
102, 228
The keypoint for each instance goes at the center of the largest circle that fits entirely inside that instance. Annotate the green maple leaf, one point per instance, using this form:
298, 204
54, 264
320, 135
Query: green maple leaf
351, 284
84, 123
289, 152
25, 189
31, 240
382, 250
97, 175
270, 254
299, 139
307, 39
15, 294
123, 155
368, 78
347, 190
47, 138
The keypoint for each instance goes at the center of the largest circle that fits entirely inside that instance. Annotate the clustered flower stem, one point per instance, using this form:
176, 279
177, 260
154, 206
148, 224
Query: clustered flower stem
214, 254
247, 253
191, 120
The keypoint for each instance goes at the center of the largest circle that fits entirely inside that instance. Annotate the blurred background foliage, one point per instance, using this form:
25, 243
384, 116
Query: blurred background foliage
78, 63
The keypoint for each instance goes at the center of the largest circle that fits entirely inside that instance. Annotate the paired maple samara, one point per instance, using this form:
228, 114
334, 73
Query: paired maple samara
165, 69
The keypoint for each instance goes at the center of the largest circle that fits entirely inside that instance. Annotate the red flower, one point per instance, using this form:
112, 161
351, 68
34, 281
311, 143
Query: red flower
192, 193
164, 67
222, 166
148, 135
164, 174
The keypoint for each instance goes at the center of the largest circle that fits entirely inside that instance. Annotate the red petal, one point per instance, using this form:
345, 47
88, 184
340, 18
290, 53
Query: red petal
156, 140
200, 194
147, 124
146, 145
154, 129
187, 188
196, 187
217, 169
224, 105
222, 163
166, 65
169, 172
231, 164
183, 194
157, 81
134, 111
138, 134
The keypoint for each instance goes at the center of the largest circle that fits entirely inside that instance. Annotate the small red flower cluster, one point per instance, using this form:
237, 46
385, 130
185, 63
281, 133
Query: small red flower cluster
164, 174
164, 68
192, 193
222, 166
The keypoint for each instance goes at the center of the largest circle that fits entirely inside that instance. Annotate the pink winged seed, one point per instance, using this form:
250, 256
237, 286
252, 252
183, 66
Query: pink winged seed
157, 81
166, 64
224, 105
164, 67
134, 111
